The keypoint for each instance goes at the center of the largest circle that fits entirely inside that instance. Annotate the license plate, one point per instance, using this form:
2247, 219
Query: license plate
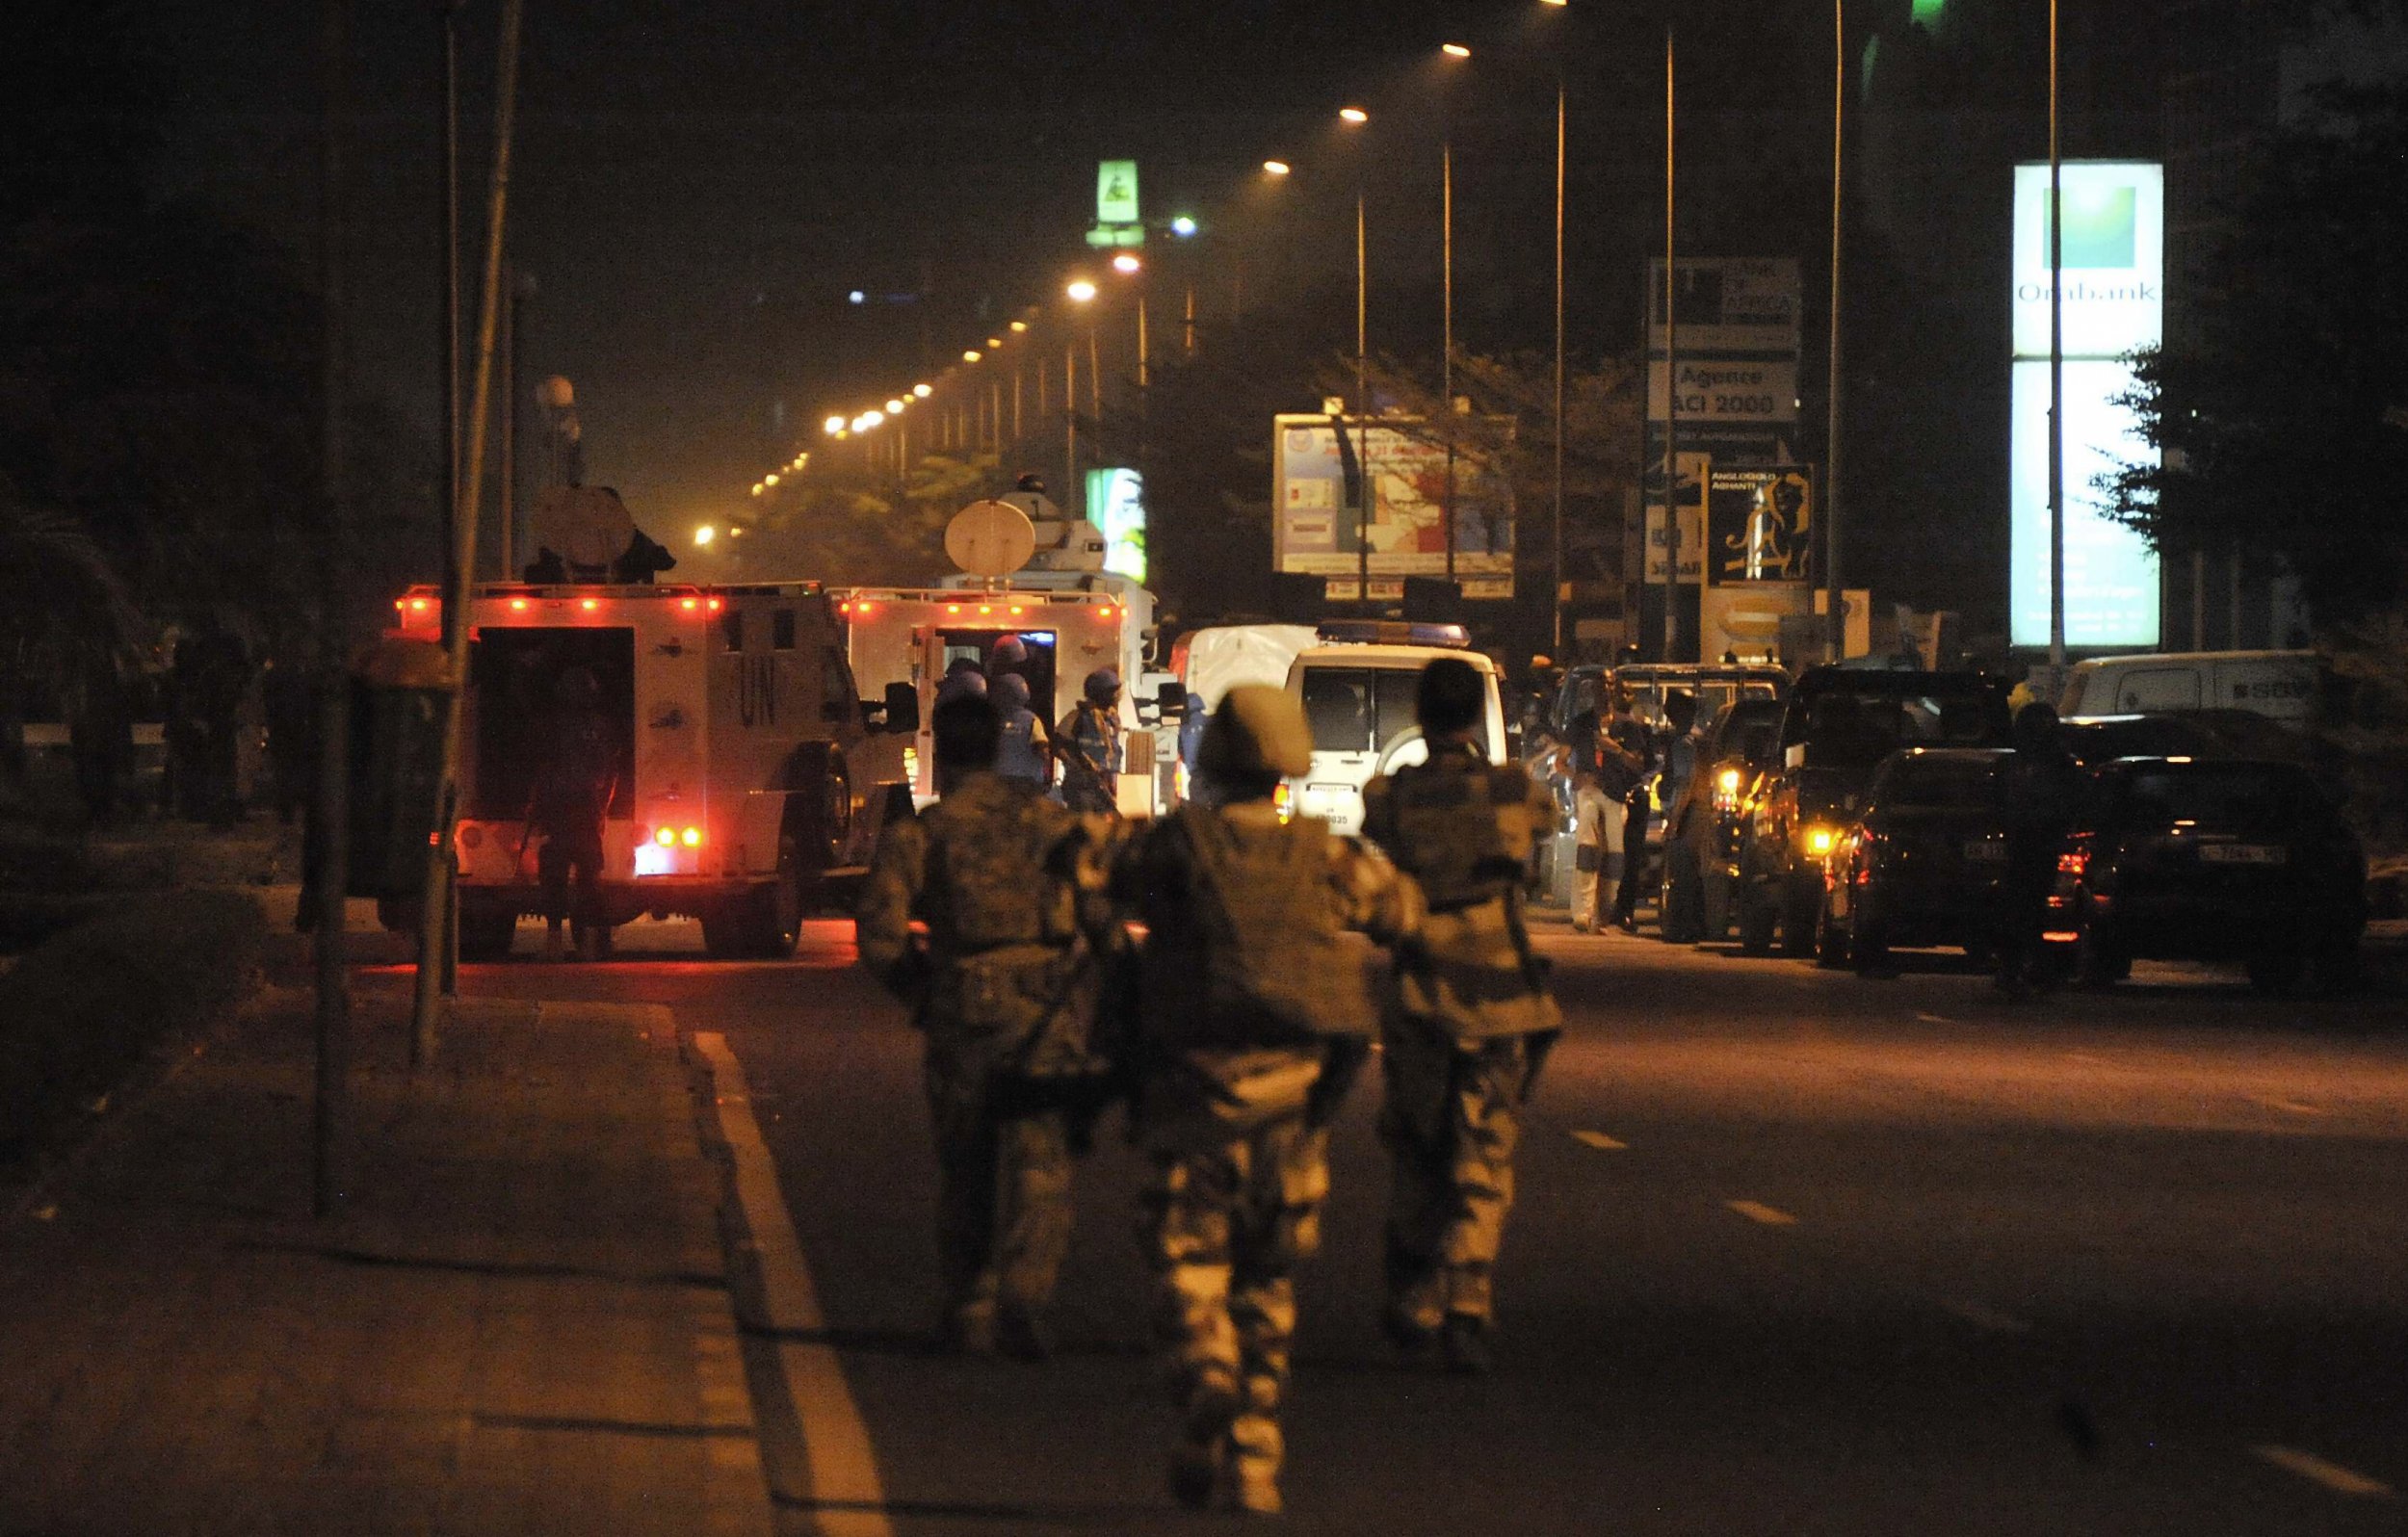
2242, 854
1984, 851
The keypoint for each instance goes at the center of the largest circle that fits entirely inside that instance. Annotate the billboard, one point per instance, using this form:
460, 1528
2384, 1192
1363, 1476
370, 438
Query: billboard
1115, 503
1727, 304
1720, 389
2113, 265
1760, 522
1316, 526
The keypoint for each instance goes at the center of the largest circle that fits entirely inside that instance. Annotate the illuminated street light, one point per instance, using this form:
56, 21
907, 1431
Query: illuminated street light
921, 390
834, 426
1354, 114
769, 480
994, 344
894, 407
1554, 2
1276, 167
1454, 50
757, 488
866, 420
971, 355
1019, 325
1126, 262
1080, 291
1182, 227
857, 297
704, 533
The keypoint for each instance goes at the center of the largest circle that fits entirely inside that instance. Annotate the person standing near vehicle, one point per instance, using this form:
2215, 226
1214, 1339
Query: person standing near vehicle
1253, 1018
1602, 775
1471, 1024
1025, 755
1001, 992
1633, 757
575, 778
1087, 742
2043, 796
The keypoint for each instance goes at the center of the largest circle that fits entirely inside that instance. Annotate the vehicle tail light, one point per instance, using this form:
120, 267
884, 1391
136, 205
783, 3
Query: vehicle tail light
2073, 862
714, 605
1283, 800
591, 604
690, 604
665, 834
693, 837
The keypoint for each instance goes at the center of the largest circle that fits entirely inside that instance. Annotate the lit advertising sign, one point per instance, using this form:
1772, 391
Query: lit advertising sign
1116, 192
1116, 503
1726, 389
1315, 526
2113, 264
1727, 304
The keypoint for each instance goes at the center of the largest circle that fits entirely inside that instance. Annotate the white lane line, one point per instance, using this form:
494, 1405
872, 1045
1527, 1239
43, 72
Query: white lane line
848, 1497
2294, 1107
1758, 1212
2315, 1469
1935, 1019
1989, 1320
1600, 1141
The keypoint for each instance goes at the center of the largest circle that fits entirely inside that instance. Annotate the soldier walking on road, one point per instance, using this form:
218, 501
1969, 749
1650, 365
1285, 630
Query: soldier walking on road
2043, 793
1003, 993
1254, 1018
575, 779
1472, 1024
1089, 743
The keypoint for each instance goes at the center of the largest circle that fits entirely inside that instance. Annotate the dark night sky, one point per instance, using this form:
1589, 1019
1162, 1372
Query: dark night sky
699, 184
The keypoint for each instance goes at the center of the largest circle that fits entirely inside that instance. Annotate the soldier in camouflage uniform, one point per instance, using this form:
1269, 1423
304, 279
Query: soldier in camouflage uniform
1089, 743
1004, 994
1471, 1018
1254, 1016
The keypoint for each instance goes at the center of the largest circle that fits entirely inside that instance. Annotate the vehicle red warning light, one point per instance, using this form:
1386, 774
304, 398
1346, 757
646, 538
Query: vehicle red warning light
591, 604
690, 604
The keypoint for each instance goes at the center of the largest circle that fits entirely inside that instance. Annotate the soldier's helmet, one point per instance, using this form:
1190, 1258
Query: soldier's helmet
1010, 691
1448, 697
1103, 688
1258, 733
1009, 652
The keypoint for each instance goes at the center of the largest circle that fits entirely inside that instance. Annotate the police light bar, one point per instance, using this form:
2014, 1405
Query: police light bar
1393, 633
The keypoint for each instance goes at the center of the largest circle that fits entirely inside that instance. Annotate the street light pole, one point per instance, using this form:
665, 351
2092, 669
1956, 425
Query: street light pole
1835, 634
2056, 377
1558, 604
1671, 390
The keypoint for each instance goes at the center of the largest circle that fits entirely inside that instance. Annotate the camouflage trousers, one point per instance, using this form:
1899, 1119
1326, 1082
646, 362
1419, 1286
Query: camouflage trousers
1223, 1227
1003, 1198
1451, 1120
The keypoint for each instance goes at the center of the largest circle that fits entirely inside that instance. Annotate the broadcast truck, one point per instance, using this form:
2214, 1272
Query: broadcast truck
753, 778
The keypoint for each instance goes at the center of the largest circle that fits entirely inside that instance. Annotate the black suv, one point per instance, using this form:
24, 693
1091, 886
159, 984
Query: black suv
1839, 724
2223, 859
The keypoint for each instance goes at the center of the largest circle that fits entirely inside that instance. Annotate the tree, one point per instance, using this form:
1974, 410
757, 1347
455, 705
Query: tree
2283, 422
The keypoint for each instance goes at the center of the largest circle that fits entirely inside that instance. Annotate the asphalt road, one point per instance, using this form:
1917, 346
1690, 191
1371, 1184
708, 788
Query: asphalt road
1796, 1253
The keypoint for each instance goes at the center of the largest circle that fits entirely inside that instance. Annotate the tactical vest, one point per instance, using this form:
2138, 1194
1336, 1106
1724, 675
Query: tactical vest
1464, 831
1261, 960
986, 860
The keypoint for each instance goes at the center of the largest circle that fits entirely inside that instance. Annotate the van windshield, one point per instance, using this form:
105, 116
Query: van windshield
1364, 709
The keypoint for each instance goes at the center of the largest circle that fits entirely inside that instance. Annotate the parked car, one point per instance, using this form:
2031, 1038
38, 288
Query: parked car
1357, 693
1837, 728
2185, 859
2099, 740
1921, 862
1701, 840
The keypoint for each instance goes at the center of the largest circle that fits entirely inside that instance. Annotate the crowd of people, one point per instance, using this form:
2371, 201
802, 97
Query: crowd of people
1233, 1032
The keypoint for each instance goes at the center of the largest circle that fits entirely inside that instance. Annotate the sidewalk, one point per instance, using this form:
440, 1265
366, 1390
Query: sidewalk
519, 1322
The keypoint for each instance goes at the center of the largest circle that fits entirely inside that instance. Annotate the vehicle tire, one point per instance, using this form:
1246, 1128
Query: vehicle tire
1757, 921
2099, 960
485, 931
1714, 906
817, 833
1872, 939
761, 924
1798, 907
2277, 972
1831, 941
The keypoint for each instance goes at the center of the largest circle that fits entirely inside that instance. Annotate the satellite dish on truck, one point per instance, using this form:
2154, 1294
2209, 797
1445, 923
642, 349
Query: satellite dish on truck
990, 538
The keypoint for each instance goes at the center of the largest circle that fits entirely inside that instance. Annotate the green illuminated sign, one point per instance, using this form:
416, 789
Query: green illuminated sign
1116, 192
1927, 11
2102, 225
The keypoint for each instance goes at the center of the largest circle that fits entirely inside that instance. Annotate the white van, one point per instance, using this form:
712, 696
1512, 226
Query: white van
1358, 698
2281, 685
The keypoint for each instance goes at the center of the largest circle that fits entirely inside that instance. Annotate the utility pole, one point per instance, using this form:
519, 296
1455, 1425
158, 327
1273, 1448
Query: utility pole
1672, 393
436, 933
2056, 380
1835, 604
329, 1109
1558, 606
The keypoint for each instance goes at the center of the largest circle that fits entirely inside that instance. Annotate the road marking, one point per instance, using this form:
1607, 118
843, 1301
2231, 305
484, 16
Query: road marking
1935, 1019
1990, 1319
1600, 1141
2315, 1469
849, 1499
1758, 1212
2295, 1106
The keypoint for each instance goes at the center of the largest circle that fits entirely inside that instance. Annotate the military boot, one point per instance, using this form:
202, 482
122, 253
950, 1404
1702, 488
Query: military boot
1465, 1339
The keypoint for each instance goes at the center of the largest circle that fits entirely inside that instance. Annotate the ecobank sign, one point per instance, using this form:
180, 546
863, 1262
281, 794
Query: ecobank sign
2113, 288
